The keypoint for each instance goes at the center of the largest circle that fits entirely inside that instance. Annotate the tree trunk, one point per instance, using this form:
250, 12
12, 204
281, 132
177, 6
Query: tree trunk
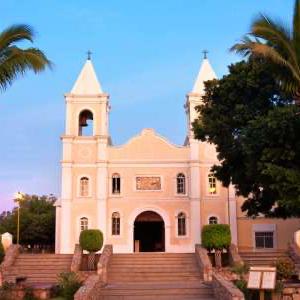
218, 258
91, 261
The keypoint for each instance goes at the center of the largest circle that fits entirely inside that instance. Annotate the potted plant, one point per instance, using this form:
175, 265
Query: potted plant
216, 237
91, 240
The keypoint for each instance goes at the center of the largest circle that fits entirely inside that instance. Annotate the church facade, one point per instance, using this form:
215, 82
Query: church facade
148, 194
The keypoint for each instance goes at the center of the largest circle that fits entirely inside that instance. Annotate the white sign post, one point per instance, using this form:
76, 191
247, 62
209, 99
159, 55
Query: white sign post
262, 278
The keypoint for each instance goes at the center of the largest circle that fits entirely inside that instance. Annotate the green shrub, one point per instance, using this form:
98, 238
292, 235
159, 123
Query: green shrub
29, 294
240, 269
91, 240
216, 236
1, 252
285, 268
241, 284
6, 291
68, 283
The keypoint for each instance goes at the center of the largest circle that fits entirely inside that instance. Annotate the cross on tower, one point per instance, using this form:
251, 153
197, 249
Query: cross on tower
89, 54
205, 52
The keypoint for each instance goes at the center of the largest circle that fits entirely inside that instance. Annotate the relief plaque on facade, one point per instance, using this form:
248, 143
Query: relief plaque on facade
148, 183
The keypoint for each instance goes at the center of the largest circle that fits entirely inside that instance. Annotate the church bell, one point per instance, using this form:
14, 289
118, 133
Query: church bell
83, 121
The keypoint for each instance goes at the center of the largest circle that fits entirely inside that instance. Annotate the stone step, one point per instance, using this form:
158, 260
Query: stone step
154, 269
175, 290
156, 297
154, 260
39, 268
150, 254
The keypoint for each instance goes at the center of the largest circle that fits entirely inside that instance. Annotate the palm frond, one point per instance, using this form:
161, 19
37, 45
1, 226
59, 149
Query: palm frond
296, 29
15, 34
276, 35
273, 55
18, 61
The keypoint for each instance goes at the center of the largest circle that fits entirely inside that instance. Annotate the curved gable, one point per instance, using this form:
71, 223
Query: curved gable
147, 146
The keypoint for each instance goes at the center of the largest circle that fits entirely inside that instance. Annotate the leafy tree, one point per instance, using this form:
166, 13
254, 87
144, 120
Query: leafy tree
15, 61
257, 136
279, 45
37, 220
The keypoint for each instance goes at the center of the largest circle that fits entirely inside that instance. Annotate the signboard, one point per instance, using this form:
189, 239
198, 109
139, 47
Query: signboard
268, 280
254, 280
148, 183
262, 278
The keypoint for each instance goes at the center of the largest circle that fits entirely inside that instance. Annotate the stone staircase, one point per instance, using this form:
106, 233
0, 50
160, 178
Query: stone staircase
262, 257
38, 268
160, 276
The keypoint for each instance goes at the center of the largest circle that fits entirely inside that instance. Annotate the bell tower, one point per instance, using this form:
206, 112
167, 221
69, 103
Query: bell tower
84, 156
193, 99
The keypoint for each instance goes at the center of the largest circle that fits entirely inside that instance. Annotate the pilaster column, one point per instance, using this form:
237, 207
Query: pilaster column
102, 198
194, 190
102, 184
232, 214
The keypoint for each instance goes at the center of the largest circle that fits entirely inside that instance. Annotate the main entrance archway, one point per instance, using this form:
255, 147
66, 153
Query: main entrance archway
149, 232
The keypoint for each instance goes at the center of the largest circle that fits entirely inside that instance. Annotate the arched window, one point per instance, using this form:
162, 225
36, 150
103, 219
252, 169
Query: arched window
115, 230
181, 224
84, 223
116, 184
213, 220
85, 126
84, 186
180, 183
212, 184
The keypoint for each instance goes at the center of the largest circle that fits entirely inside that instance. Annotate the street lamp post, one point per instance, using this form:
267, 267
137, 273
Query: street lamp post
18, 199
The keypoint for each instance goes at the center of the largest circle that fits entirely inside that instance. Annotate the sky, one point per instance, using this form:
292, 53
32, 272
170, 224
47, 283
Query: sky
146, 54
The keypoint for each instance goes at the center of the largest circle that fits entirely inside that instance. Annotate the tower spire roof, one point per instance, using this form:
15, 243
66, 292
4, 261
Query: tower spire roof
206, 72
87, 82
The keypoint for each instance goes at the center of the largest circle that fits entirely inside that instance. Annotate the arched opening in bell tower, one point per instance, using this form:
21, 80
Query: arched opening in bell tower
85, 123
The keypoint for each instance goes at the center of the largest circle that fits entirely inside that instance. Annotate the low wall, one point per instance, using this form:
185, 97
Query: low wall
77, 258
90, 289
291, 292
102, 267
204, 263
10, 256
94, 283
225, 289
234, 257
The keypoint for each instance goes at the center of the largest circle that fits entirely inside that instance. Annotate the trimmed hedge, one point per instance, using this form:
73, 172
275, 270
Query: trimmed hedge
216, 236
91, 240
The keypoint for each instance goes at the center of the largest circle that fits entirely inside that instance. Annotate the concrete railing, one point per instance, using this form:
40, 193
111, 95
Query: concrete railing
204, 263
103, 262
90, 289
234, 256
225, 289
94, 283
11, 255
77, 259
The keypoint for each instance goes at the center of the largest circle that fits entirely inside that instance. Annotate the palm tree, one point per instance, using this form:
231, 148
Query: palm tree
278, 44
15, 61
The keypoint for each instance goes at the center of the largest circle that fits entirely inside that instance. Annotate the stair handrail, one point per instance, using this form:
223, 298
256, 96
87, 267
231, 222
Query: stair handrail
95, 282
102, 267
225, 289
76, 259
11, 254
234, 256
204, 262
